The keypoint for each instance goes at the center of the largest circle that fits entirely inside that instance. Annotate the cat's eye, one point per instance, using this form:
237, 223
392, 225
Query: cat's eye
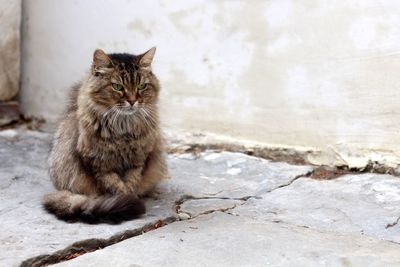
117, 86
142, 86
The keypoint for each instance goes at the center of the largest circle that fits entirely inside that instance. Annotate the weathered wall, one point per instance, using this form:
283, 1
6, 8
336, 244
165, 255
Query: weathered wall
10, 18
309, 73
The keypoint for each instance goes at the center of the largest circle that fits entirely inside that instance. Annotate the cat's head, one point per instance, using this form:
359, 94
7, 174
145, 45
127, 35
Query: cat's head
123, 82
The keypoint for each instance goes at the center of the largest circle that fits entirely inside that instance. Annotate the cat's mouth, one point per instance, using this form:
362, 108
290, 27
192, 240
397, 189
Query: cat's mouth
128, 110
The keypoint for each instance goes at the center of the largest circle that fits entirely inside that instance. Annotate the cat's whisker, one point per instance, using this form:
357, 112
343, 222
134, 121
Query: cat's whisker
143, 115
152, 128
150, 117
148, 123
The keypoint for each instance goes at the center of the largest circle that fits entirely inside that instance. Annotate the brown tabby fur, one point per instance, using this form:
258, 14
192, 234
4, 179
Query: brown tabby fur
108, 149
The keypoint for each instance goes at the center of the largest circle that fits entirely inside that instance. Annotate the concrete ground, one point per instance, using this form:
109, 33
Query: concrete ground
219, 209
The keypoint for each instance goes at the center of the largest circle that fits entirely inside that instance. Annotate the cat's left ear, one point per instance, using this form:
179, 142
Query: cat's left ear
146, 58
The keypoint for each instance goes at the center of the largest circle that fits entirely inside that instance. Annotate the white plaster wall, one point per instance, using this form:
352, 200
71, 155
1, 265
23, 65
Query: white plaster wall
308, 73
10, 18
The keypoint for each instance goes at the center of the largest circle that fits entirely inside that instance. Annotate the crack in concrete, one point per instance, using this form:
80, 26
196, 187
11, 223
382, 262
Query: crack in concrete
244, 199
390, 225
89, 245
214, 210
308, 174
185, 198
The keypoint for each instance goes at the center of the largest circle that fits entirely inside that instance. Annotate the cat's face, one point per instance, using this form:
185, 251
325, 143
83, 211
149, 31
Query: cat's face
123, 83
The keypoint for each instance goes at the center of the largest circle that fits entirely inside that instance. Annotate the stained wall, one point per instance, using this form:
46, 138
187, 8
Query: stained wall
312, 74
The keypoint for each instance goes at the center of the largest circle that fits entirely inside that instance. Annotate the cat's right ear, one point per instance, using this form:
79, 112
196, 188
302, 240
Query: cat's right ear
101, 62
146, 58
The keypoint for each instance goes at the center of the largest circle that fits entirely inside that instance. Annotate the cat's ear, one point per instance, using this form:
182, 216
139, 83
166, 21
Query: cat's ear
146, 58
100, 61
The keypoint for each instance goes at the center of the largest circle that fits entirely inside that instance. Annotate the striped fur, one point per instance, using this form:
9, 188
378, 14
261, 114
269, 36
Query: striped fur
108, 148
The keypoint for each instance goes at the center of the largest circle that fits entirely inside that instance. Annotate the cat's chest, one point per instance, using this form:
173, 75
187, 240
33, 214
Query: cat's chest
116, 155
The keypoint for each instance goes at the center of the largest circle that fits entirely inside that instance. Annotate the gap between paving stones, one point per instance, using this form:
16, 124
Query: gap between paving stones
90, 245
85, 246
291, 156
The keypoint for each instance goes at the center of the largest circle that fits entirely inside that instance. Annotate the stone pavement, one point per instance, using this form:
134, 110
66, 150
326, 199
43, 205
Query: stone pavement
219, 209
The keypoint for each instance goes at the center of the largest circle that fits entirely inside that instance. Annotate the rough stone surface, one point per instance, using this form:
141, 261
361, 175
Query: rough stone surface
217, 179
231, 175
366, 204
10, 17
234, 210
220, 239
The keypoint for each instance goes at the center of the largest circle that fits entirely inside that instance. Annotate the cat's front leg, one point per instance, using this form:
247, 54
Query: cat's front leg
154, 171
133, 178
111, 183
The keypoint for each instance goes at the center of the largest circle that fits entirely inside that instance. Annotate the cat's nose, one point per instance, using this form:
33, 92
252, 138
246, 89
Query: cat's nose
131, 100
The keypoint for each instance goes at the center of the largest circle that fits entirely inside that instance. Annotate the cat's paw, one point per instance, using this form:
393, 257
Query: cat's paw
130, 187
117, 188
154, 194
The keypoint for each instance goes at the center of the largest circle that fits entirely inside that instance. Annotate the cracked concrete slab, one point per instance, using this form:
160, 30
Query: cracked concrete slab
220, 239
28, 231
366, 204
233, 175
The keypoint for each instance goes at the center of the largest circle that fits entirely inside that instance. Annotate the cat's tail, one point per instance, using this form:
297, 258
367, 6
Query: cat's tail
114, 209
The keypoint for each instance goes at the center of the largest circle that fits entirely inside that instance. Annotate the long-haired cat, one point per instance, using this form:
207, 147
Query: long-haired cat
108, 149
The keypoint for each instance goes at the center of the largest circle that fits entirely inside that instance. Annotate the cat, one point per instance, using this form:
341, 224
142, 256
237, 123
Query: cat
108, 148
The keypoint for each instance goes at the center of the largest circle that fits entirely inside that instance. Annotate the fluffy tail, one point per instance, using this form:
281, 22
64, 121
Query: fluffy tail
102, 209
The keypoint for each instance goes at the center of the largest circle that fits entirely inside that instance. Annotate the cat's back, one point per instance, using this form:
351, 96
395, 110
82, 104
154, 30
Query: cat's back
66, 134
72, 105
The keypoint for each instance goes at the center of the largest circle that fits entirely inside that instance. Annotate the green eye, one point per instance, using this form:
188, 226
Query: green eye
117, 86
142, 86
